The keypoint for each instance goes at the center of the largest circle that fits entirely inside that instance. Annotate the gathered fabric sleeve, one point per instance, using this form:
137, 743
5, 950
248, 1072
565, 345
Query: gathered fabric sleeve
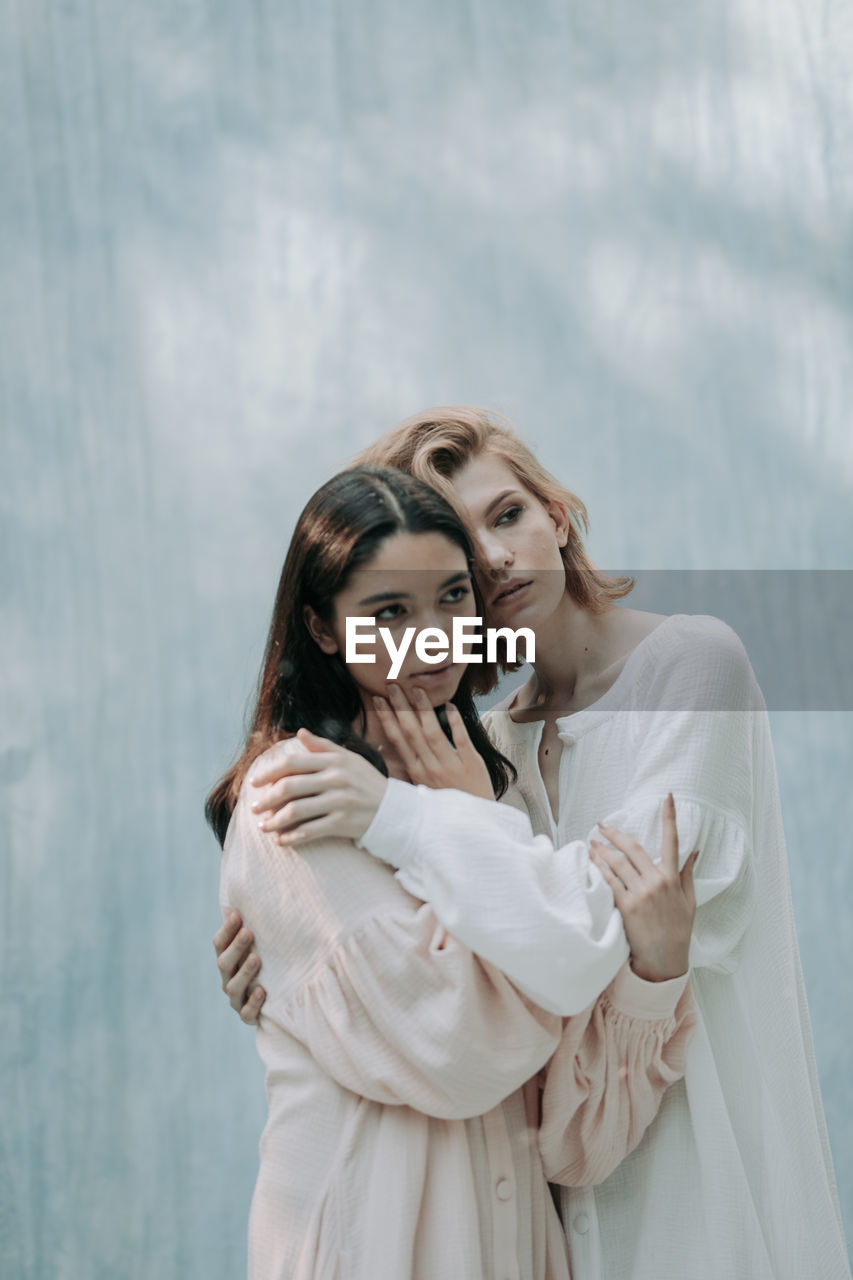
384, 999
695, 731
544, 915
605, 1083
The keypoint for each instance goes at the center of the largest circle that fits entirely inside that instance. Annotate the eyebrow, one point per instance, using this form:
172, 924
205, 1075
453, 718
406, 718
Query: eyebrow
462, 576
507, 493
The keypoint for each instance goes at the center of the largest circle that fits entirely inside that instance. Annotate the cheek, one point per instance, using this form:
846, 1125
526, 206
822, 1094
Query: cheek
371, 677
547, 549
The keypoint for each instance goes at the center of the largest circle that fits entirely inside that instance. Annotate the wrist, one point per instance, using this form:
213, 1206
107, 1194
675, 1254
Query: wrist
390, 834
671, 967
370, 806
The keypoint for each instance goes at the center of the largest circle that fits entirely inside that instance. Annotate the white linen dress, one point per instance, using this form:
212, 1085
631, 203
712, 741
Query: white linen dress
734, 1179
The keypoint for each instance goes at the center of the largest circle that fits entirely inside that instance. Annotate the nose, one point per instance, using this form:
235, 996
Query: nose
498, 556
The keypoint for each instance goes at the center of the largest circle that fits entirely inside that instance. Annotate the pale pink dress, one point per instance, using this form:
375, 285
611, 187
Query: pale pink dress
406, 1080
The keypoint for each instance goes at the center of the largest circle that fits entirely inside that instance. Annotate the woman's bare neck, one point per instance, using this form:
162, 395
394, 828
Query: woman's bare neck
579, 655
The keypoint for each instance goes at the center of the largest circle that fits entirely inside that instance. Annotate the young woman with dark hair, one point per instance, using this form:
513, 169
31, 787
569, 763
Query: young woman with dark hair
306, 685
418, 1099
621, 706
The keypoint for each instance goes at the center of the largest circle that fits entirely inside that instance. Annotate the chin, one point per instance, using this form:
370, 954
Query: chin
439, 688
533, 612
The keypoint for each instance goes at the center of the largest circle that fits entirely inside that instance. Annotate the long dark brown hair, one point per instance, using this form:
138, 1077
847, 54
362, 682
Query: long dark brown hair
340, 530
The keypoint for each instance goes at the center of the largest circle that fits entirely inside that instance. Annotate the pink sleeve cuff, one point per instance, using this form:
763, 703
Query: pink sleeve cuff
651, 1001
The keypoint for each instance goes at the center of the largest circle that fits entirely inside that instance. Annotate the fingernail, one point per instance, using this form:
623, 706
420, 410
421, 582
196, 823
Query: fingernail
378, 702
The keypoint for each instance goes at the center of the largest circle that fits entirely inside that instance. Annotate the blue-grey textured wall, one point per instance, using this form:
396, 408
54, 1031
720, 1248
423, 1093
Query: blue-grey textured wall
236, 242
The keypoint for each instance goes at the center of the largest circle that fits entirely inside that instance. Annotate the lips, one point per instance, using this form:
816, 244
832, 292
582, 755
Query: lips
510, 590
431, 671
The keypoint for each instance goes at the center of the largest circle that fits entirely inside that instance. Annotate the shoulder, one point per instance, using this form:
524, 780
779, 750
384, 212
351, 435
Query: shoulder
252, 857
695, 662
326, 879
284, 747
242, 812
702, 638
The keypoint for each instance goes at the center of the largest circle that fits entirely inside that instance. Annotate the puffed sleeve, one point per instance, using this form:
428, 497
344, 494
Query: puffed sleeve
724, 875
695, 731
605, 1083
544, 915
387, 1002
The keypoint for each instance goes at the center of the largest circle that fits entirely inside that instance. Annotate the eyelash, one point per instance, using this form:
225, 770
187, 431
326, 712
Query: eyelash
384, 614
461, 592
514, 512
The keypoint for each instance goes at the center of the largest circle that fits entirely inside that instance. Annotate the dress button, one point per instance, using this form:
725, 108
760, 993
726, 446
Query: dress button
504, 1189
581, 1223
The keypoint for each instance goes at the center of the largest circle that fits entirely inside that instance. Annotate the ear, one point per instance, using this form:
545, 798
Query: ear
560, 517
320, 631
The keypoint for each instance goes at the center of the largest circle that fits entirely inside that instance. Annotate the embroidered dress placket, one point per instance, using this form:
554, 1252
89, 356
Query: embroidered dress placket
504, 1193
577, 1204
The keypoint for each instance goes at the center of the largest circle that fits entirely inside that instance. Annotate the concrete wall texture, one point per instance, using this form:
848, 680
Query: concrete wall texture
238, 242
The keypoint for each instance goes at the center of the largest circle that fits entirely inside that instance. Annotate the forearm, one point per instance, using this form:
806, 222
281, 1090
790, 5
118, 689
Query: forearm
543, 916
368, 980
405, 1015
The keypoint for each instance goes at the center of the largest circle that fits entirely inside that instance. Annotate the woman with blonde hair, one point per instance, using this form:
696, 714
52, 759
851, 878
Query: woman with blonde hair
621, 706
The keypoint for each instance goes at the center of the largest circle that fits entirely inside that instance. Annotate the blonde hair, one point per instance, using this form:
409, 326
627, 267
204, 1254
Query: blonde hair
434, 444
